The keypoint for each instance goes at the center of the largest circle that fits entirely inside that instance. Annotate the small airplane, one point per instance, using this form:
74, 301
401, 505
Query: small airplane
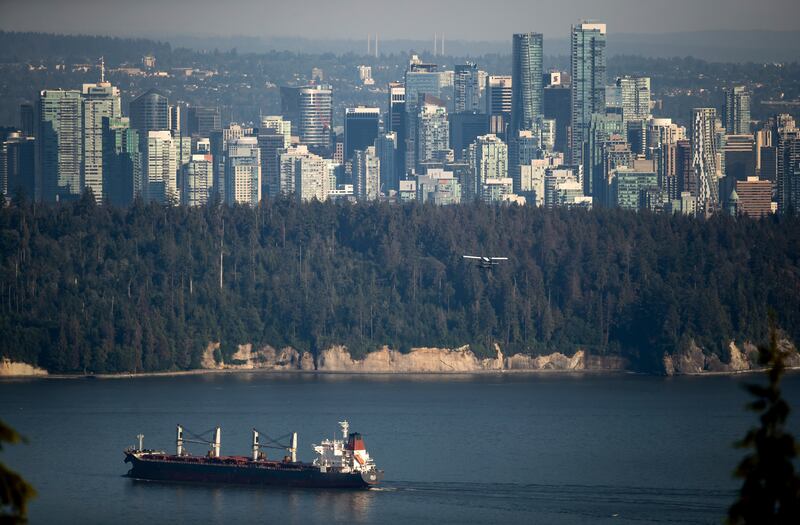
486, 263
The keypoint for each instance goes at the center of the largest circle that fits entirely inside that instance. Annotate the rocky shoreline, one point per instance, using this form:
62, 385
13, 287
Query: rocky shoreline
338, 360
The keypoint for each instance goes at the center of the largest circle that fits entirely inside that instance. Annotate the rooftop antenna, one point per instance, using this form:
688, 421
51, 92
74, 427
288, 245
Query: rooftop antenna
376, 45
102, 70
369, 44
441, 51
435, 36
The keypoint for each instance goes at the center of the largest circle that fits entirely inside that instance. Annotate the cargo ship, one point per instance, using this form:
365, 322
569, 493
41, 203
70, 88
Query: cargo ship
339, 463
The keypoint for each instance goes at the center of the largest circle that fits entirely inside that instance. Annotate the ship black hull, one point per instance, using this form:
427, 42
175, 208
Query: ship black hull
250, 473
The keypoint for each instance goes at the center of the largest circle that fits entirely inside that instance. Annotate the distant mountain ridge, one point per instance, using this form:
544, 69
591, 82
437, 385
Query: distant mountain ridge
717, 46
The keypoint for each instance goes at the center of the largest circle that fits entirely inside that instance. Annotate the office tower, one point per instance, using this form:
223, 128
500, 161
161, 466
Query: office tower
464, 129
122, 162
396, 122
386, 150
201, 121
176, 117
280, 125
60, 144
602, 128
634, 95
17, 165
588, 72
198, 178
433, 129
754, 197
737, 110
366, 174
499, 94
557, 105
439, 187
149, 112
316, 116
243, 171
705, 160
27, 120
526, 103
360, 128
420, 79
488, 159
629, 187
466, 88
100, 101
290, 107
271, 143
740, 160
159, 168
547, 133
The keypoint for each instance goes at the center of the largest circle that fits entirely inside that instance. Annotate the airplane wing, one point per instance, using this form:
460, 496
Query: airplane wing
499, 258
471, 257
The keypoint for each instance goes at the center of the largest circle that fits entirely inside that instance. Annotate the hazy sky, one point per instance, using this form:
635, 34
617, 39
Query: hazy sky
397, 19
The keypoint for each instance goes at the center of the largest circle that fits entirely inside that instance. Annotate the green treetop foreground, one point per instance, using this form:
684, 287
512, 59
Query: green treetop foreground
101, 289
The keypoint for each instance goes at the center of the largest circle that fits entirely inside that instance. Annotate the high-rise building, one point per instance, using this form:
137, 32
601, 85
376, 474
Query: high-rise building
524, 148
464, 129
243, 172
360, 128
27, 120
754, 197
634, 95
705, 160
488, 159
588, 72
386, 150
740, 159
279, 124
149, 112
433, 129
785, 140
59, 139
737, 111
197, 180
17, 165
159, 168
396, 122
602, 129
662, 140
526, 104
629, 185
271, 143
466, 88
100, 101
290, 107
122, 162
366, 174
316, 116
557, 105
202, 120
499, 94
421, 79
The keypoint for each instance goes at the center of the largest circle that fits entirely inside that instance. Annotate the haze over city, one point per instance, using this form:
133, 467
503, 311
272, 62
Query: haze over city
415, 19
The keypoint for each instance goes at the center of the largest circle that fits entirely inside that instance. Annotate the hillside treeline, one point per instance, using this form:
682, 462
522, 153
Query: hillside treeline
99, 289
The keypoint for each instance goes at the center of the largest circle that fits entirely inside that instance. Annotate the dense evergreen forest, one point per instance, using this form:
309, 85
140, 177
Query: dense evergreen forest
88, 288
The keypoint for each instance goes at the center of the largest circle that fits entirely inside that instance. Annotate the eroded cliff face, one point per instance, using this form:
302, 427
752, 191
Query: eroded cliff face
693, 361
264, 358
388, 361
9, 368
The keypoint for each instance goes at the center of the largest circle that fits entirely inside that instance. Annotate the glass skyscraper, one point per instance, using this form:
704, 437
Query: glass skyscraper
526, 84
588, 68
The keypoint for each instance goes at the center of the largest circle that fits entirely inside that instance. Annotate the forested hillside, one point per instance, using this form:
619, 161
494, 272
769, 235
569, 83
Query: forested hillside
102, 289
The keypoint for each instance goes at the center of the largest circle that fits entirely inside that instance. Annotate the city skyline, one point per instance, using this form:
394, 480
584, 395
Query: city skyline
464, 20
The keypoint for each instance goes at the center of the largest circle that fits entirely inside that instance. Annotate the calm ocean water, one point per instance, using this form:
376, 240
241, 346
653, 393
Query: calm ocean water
466, 449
